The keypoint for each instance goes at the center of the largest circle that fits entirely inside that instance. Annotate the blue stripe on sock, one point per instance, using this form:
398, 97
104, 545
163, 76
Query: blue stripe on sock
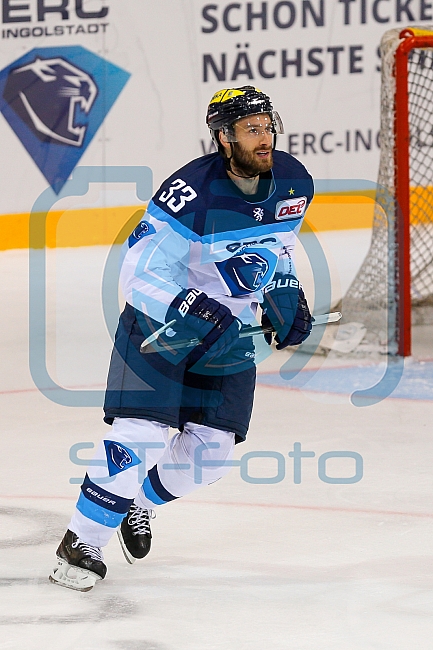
101, 497
157, 492
97, 513
151, 494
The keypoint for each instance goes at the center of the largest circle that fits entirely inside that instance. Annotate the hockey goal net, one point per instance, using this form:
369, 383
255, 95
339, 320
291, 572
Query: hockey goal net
394, 286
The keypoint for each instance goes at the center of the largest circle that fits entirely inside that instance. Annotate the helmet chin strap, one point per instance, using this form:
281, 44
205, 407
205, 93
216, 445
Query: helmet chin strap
239, 175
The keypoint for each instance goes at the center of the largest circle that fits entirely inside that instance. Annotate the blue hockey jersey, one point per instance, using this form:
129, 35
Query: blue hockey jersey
200, 231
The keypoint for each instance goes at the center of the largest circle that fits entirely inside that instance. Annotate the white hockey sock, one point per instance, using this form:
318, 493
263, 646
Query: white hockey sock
115, 476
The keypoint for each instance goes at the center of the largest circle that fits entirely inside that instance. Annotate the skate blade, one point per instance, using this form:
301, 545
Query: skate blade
128, 557
73, 577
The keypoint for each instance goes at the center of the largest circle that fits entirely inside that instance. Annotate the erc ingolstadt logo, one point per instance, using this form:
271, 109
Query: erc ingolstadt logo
55, 99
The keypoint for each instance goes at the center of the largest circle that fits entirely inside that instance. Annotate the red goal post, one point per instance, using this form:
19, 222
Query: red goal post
412, 39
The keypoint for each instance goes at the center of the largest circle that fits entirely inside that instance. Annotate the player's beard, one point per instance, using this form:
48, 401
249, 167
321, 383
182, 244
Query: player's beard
248, 162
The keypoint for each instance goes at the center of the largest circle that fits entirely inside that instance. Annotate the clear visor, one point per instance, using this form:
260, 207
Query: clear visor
254, 127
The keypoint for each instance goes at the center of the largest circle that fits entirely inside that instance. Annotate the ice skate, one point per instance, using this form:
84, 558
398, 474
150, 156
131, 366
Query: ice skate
134, 533
79, 565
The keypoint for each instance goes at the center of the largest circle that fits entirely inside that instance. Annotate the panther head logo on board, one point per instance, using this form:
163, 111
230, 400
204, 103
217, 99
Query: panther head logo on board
49, 95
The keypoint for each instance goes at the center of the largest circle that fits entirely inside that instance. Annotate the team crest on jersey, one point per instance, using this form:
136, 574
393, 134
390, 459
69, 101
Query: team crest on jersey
248, 271
258, 214
144, 228
291, 209
119, 457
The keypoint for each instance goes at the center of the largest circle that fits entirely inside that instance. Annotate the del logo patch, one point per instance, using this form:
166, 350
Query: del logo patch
119, 457
291, 208
55, 99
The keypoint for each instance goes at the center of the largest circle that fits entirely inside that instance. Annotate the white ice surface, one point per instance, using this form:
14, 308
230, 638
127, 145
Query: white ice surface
236, 566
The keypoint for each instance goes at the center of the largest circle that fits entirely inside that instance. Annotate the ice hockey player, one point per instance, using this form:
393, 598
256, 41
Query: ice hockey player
215, 242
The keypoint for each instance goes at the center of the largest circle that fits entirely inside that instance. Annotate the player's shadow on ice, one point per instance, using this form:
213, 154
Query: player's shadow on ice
138, 645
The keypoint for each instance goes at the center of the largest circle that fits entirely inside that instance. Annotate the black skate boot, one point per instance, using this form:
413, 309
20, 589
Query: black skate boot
134, 533
79, 565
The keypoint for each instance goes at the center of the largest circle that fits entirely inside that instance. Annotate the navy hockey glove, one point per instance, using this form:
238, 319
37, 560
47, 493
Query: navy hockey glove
197, 315
285, 309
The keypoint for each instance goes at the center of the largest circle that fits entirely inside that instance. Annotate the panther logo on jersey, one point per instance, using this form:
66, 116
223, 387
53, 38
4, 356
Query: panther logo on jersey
47, 95
248, 271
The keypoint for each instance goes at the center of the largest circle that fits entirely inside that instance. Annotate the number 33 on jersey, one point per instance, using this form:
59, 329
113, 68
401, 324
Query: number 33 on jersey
176, 200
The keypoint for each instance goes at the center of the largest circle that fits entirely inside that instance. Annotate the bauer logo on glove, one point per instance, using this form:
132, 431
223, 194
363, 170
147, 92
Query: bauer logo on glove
283, 282
205, 318
190, 298
285, 310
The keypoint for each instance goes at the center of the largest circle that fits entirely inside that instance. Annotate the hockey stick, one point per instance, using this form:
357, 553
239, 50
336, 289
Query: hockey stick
145, 348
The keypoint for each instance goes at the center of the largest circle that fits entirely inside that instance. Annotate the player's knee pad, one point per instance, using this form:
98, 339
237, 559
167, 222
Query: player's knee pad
147, 438
195, 457
208, 450
138, 430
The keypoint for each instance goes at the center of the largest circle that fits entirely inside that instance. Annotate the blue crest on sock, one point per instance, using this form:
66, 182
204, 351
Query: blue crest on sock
119, 457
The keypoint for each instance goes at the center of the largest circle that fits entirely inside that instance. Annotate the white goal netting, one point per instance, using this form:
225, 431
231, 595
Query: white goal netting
372, 298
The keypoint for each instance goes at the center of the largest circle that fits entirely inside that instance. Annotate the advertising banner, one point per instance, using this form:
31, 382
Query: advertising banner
103, 82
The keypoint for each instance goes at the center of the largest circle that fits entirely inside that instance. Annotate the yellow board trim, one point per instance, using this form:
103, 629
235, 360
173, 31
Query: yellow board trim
85, 227
106, 226
101, 226
339, 212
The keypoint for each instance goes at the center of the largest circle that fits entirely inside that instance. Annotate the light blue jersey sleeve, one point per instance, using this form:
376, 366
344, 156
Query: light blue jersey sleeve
155, 265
